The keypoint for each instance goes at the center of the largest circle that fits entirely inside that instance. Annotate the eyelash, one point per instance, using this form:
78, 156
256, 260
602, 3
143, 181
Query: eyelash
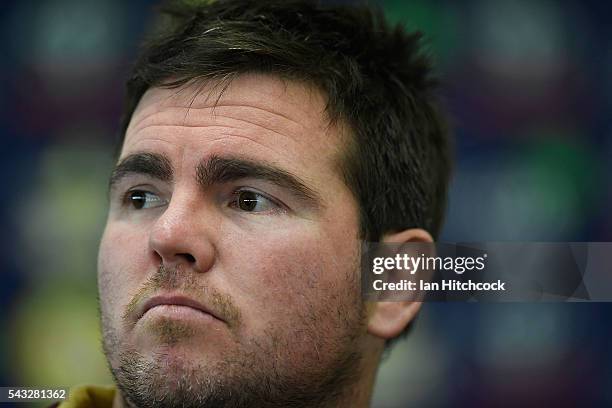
127, 199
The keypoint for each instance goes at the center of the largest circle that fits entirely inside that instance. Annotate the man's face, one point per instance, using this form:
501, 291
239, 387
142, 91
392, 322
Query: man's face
228, 269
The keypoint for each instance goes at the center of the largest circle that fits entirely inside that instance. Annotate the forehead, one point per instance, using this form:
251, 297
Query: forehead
259, 116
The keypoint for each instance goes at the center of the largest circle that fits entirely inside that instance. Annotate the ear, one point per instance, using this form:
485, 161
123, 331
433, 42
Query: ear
388, 319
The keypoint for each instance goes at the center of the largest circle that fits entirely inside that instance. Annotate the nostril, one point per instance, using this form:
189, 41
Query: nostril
190, 258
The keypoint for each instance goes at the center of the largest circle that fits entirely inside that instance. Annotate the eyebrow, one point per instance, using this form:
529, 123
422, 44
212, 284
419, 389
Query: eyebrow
151, 164
215, 170
218, 169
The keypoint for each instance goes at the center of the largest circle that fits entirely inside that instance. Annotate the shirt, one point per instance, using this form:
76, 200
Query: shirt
88, 396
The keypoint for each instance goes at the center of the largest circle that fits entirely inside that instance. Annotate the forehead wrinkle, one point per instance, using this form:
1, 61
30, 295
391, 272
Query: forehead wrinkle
162, 126
266, 110
292, 137
253, 140
262, 95
230, 124
225, 135
127, 146
265, 120
257, 116
256, 90
133, 127
250, 139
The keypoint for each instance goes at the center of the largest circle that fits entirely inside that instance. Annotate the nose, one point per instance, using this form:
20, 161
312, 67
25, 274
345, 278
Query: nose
179, 238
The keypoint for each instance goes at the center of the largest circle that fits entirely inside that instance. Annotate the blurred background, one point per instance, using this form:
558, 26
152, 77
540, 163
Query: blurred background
528, 85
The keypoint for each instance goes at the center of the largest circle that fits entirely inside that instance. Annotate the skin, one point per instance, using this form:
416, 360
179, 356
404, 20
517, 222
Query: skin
282, 281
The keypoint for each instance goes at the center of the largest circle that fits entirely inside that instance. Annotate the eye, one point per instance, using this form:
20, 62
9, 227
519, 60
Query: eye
140, 199
250, 201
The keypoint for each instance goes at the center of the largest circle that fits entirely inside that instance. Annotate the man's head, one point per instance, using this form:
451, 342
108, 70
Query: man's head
263, 142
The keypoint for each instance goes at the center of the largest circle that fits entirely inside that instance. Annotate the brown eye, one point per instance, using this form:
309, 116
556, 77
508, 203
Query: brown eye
251, 201
247, 200
144, 199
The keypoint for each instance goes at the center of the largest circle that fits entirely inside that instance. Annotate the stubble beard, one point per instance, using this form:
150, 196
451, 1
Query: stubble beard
269, 371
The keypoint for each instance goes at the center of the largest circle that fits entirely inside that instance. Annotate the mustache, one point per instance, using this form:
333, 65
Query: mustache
185, 282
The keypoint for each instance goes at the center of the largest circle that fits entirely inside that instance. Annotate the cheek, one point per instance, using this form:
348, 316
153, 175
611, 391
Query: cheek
121, 266
299, 295
286, 279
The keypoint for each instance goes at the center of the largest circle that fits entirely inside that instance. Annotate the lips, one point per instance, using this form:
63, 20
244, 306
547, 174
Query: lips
175, 300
